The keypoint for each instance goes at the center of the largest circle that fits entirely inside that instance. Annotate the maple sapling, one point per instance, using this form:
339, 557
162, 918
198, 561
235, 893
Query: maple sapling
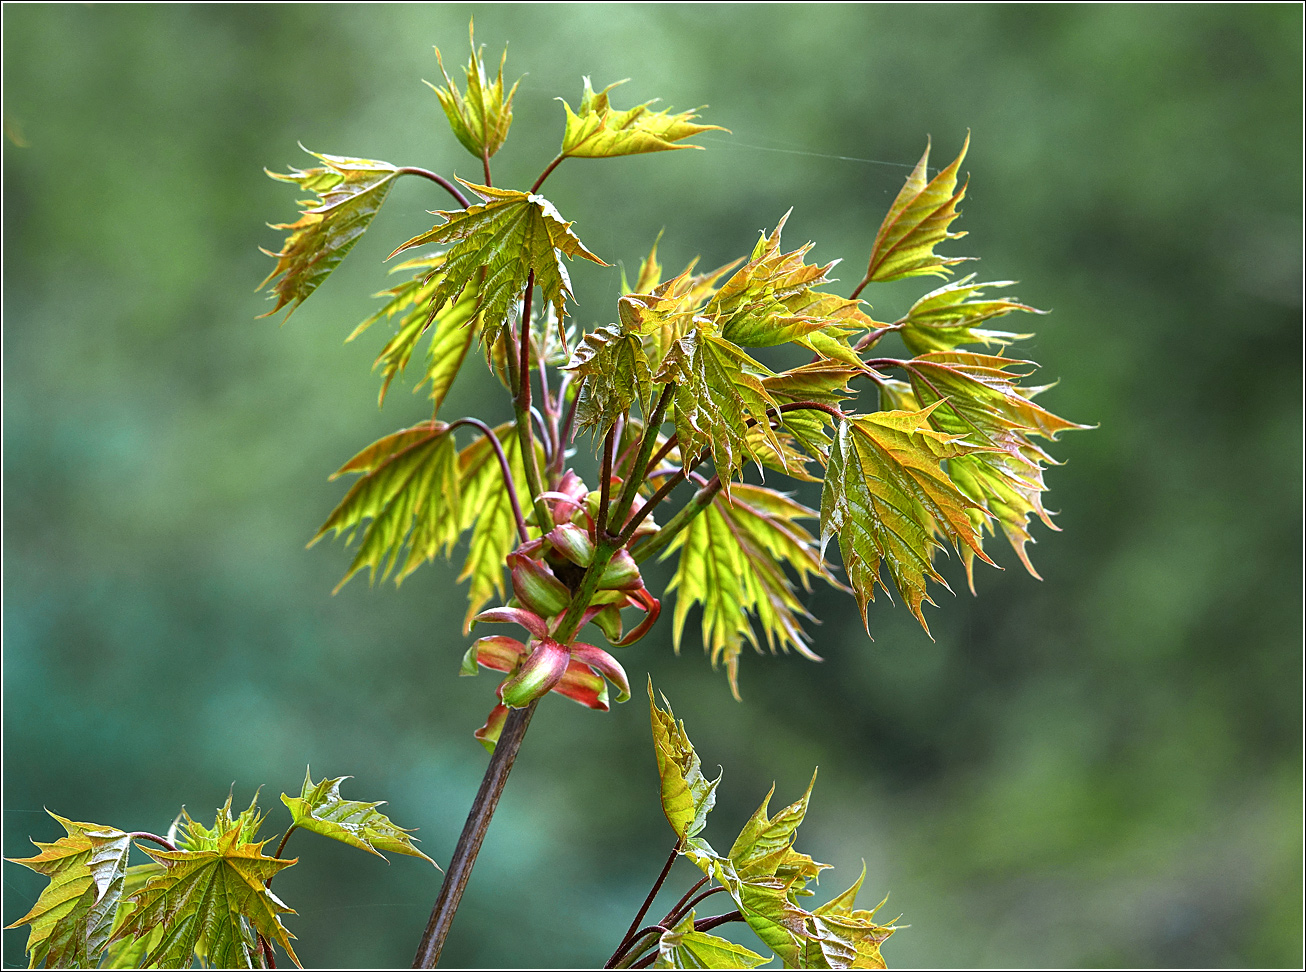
913, 454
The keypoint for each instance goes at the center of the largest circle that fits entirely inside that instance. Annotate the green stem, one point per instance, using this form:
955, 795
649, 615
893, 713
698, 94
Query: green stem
636, 477
684, 516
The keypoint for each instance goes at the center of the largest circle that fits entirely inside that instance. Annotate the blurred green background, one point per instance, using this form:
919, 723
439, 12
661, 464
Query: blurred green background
1102, 769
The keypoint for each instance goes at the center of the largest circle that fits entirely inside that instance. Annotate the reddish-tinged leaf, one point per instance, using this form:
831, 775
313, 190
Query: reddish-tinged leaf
918, 221
349, 194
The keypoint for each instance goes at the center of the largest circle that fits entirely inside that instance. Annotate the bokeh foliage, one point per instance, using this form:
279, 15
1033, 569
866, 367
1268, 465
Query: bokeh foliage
1102, 769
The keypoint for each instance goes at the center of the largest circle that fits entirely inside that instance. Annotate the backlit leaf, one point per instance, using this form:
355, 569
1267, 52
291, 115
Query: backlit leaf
946, 318
599, 131
846, 937
687, 795
480, 118
212, 900
349, 194
917, 222
682, 947
321, 809
764, 848
506, 238
887, 498
451, 327
129, 953
409, 490
72, 919
731, 560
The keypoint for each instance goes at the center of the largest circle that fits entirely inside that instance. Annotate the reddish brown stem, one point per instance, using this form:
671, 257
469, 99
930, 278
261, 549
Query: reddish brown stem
631, 934
154, 838
439, 180
497, 446
545, 174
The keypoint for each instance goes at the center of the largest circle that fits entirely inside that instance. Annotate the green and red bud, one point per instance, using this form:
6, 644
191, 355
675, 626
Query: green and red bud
538, 674
536, 588
498, 652
622, 574
572, 543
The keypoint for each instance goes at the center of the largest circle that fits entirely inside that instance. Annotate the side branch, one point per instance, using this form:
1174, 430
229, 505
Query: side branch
488, 432
439, 180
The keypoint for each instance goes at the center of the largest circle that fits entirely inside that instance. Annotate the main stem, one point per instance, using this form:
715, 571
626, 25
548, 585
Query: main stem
473, 835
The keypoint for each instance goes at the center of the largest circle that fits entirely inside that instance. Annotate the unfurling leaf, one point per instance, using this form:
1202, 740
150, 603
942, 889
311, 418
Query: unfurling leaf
976, 396
682, 947
211, 898
498, 245
452, 328
687, 795
918, 221
731, 560
349, 193
847, 937
598, 131
320, 808
72, 919
764, 848
946, 318
481, 118
888, 499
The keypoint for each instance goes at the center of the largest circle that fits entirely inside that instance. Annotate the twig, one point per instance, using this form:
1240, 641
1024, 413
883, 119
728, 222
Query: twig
438, 180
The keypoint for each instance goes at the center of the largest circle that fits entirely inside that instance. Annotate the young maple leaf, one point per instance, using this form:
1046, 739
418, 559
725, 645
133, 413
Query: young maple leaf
320, 808
945, 318
480, 119
349, 194
614, 373
682, 947
888, 498
918, 221
976, 396
500, 245
212, 900
598, 131
687, 795
72, 919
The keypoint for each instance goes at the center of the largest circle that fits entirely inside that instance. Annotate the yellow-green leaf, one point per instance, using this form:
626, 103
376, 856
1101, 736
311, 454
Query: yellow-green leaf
846, 937
498, 245
888, 498
72, 919
129, 953
731, 560
917, 222
687, 795
599, 131
682, 947
946, 318
349, 194
770, 300
320, 808
409, 488
480, 118
452, 328
764, 848
614, 373
977, 396
211, 901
